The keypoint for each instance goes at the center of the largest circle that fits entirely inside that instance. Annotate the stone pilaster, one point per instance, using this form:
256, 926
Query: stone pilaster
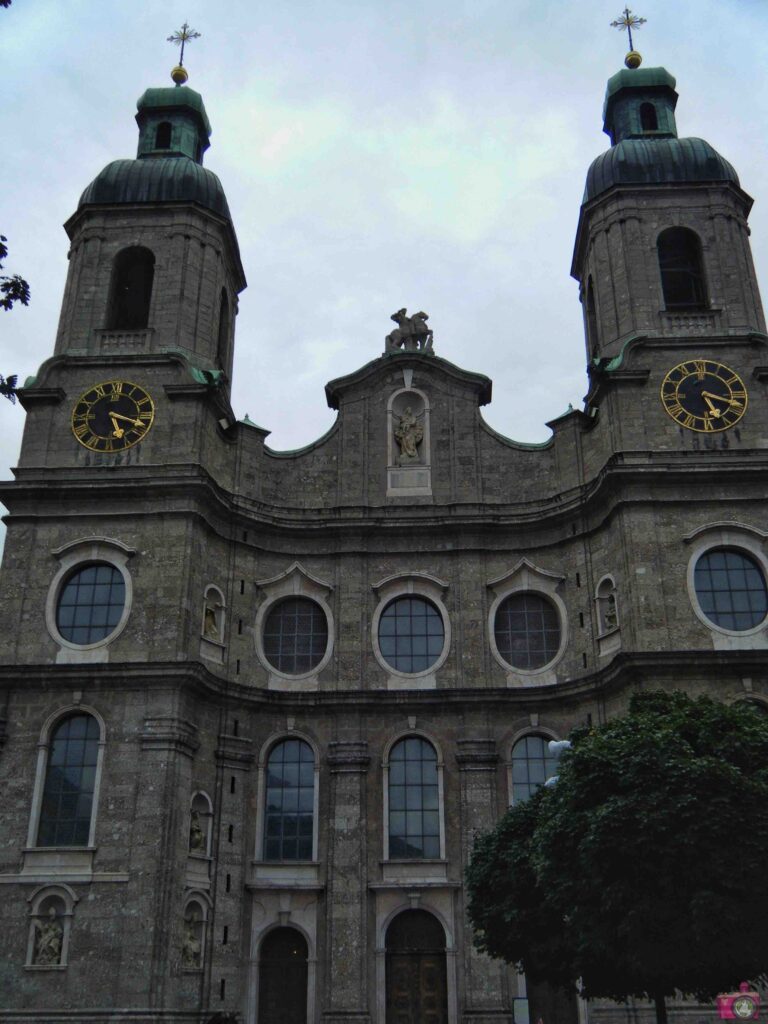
486, 1000
346, 1000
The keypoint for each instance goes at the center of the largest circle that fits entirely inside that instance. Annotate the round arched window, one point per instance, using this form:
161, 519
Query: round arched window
91, 603
731, 589
411, 634
527, 630
295, 635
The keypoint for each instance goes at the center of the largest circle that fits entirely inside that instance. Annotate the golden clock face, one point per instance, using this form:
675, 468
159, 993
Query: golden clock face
703, 395
744, 1008
112, 416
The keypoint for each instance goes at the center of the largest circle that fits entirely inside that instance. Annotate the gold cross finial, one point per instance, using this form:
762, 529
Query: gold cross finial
184, 35
628, 21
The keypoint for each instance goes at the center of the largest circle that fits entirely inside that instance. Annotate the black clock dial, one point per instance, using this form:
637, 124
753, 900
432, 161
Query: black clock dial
704, 395
112, 416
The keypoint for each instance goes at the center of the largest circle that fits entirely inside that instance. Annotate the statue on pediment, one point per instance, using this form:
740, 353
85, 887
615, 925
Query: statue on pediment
412, 333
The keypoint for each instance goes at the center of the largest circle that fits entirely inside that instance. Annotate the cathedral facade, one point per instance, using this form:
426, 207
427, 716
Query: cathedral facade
256, 705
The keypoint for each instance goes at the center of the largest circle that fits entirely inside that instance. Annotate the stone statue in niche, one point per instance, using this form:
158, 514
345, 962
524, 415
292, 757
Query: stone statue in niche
191, 948
196, 835
212, 620
409, 433
49, 940
611, 615
412, 333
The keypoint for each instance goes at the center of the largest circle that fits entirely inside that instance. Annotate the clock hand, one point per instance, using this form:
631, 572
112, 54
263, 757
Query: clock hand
712, 408
117, 431
128, 419
720, 398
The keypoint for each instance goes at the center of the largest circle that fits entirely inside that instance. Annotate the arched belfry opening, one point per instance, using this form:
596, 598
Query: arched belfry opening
283, 977
649, 121
163, 135
682, 269
131, 290
417, 989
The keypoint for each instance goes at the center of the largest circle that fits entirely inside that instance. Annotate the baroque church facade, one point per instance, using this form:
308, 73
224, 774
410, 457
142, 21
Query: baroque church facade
256, 705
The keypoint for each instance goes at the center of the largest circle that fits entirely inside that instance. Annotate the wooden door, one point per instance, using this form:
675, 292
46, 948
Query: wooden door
283, 978
416, 972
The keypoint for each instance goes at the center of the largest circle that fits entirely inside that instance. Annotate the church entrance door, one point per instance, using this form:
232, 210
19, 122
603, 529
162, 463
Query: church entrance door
283, 978
416, 976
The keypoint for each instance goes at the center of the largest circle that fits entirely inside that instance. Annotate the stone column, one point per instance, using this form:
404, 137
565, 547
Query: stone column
346, 981
486, 1000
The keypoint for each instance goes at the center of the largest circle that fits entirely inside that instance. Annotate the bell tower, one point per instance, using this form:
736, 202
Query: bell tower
662, 247
154, 260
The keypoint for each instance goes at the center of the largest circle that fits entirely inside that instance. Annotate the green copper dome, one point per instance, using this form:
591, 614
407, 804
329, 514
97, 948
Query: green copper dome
656, 162
159, 180
173, 135
639, 117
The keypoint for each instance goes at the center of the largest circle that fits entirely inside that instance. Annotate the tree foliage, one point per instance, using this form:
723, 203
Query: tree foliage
12, 288
642, 871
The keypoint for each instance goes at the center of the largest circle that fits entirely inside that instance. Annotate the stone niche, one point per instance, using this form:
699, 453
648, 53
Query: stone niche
409, 470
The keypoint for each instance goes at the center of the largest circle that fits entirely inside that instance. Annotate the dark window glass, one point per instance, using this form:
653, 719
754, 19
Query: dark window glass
411, 634
731, 589
132, 277
682, 269
65, 817
414, 812
290, 802
415, 931
163, 135
91, 603
527, 630
295, 635
532, 765
222, 344
591, 317
649, 122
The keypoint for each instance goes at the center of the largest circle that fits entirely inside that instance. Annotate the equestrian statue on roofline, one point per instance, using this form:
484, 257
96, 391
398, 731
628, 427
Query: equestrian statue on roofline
411, 335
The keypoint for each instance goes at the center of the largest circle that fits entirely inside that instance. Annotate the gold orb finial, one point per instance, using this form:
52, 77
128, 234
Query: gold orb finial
180, 38
627, 22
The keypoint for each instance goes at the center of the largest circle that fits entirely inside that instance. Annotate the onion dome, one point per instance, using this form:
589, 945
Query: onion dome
639, 117
173, 135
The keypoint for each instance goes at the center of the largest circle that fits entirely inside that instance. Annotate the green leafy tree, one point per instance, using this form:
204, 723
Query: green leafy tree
12, 289
642, 872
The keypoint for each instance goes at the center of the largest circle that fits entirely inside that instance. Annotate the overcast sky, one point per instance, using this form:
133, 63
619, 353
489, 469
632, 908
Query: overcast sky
375, 155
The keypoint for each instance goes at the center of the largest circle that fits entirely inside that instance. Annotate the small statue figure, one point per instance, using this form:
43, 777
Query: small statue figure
408, 434
210, 625
49, 939
611, 614
412, 333
196, 835
190, 944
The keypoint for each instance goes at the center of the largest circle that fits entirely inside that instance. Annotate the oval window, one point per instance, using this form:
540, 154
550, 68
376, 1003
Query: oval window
411, 634
295, 635
91, 603
731, 589
527, 631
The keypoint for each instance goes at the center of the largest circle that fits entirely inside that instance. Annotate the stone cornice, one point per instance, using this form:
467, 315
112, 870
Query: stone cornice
37, 493
625, 670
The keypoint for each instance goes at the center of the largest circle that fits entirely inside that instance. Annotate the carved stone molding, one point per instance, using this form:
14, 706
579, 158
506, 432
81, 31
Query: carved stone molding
477, 755
348, 756
235, 752
169, 733
345, 1017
